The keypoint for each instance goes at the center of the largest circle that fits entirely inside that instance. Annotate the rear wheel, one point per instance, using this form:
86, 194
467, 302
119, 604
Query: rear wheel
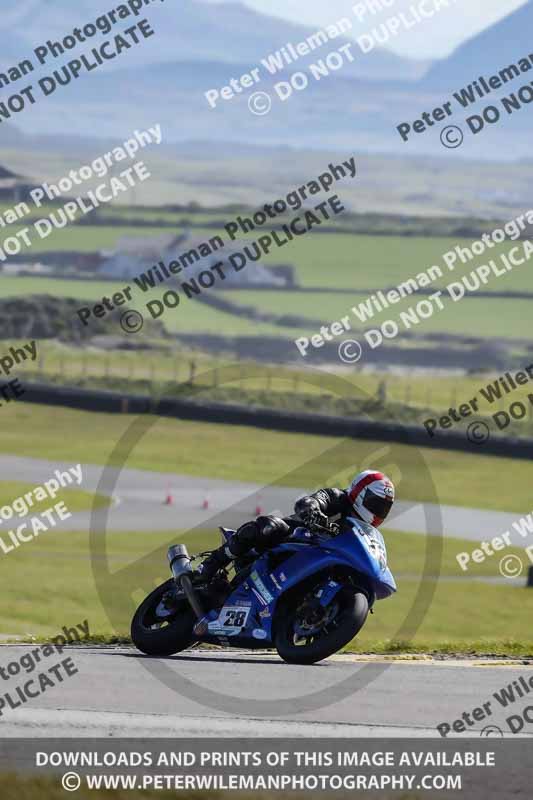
163, 623
307, 632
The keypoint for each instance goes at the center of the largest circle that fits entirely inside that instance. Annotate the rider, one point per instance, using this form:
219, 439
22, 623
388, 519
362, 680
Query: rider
369, 498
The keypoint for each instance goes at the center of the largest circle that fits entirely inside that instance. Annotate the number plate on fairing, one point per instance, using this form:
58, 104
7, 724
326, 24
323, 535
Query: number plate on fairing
231, 620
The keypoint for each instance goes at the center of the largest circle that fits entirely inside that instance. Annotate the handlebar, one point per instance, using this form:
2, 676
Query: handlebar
330, 528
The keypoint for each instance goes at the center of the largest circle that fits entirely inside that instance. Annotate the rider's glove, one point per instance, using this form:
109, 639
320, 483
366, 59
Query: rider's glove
307, 509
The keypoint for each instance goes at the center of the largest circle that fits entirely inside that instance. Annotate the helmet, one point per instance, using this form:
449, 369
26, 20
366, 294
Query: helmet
372, 496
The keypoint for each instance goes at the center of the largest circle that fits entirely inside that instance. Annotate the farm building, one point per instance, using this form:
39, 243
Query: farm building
134, 255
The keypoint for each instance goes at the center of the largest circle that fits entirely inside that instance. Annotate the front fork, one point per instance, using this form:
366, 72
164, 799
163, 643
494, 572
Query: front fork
180, 566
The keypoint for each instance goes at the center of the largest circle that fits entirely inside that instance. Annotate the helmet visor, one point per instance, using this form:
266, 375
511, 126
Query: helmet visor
378, 506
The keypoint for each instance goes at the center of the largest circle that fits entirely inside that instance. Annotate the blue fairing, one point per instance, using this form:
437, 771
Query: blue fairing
246, 617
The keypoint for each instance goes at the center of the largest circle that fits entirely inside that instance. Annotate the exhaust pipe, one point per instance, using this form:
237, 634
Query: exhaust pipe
180, 566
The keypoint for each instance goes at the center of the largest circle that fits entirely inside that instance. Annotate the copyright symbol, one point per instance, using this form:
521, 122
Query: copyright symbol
350, 351
131, 321
260, 103
451, 137
478, 432
511, 567
71, 782
491, 730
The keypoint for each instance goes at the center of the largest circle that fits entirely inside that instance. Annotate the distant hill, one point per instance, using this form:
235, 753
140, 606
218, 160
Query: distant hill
505, 42
188, 31
200, 46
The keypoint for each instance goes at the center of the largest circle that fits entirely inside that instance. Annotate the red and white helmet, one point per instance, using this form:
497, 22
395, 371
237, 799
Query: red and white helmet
372, 496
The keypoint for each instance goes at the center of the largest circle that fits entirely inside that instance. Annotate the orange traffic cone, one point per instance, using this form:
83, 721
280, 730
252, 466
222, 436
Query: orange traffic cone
205, 504
169, 500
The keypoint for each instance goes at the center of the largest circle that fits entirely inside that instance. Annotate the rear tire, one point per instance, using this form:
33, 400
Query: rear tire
162, 636
345, 624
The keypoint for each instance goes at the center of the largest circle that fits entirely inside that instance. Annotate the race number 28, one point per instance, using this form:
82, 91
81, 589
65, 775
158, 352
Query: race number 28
235, 618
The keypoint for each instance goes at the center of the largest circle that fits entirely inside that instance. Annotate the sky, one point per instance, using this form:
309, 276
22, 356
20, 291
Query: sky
434, 38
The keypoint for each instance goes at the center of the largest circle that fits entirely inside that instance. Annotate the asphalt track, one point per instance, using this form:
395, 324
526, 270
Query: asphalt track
139, 503
114, 694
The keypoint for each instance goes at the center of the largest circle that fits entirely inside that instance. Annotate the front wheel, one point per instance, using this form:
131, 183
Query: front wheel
163, 623
307, 632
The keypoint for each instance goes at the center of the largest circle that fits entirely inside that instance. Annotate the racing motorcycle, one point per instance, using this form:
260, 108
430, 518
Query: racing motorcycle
307, 597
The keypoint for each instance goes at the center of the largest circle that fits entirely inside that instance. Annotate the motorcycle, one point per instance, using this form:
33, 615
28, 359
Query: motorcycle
307, 597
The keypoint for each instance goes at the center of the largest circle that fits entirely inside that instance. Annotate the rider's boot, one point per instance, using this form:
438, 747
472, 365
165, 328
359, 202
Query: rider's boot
213, 563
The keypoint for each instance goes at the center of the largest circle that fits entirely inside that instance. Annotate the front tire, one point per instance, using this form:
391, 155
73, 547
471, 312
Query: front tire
160, 631
343, 619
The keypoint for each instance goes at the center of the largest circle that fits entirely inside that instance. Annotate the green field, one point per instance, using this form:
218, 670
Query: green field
338, 261
478, 317
260, 456
348, 263
188, 317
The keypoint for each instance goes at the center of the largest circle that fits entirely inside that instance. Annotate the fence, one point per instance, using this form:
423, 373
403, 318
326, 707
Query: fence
316, 424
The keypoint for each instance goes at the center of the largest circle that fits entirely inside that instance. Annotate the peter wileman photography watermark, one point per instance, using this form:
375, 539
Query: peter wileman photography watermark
86, 62
452, 136
15, 356
496, 390
81, 204
350, 350
279, 232
506, 697
363, 13
48, 677
45, 519
510, 564
270, 766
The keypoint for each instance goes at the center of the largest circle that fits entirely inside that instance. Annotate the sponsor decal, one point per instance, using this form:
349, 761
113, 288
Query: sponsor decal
261, 588
261, 600
275, 582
